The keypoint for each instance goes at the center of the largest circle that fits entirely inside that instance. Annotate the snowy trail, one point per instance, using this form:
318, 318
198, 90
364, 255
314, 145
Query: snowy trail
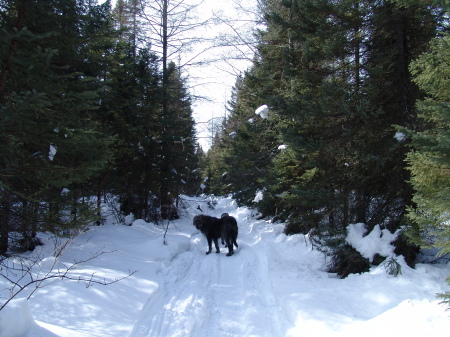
274, 285
214, 295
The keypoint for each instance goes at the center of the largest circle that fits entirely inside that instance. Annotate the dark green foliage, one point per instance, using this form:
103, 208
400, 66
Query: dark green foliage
428, 159
80, 116
149, 112
239, 159
409, 250
49, 96
153, 150
346, 260
335, 76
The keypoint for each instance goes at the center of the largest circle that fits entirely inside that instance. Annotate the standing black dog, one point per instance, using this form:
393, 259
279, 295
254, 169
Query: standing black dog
229, 232
211, 227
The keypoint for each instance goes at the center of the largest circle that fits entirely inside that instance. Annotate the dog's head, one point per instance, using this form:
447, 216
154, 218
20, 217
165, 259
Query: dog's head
198, 222
224, 214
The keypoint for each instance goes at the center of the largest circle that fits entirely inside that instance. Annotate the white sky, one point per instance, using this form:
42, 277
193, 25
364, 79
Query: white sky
215, 80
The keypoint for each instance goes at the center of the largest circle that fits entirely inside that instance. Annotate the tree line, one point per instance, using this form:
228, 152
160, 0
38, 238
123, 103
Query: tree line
357, 129
88, 109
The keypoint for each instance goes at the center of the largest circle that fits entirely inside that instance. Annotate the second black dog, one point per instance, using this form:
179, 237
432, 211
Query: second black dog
229, 232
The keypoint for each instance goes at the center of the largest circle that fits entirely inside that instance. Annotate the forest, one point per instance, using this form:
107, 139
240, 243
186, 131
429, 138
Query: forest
94, 106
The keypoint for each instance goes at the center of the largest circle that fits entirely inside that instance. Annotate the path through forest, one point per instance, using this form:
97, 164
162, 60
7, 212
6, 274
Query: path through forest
215, 295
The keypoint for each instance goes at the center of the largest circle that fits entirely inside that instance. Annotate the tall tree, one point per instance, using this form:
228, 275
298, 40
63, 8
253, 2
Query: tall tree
150, 111
335, 77
132, 111
49, 97
428, 160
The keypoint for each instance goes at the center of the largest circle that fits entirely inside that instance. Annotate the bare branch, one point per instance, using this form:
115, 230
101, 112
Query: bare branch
20, 273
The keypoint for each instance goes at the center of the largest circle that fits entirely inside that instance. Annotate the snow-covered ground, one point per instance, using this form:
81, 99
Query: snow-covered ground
274, 285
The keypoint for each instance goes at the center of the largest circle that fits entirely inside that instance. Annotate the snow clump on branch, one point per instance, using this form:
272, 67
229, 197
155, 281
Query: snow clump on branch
263, 111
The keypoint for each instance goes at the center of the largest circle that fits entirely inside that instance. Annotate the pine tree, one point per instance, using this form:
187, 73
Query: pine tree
335, 77
149, 110
49, 100
241, 154
178, 140
132, 112
428, 160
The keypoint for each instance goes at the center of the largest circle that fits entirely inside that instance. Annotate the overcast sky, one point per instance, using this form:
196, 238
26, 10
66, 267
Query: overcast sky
216, 80
234, 19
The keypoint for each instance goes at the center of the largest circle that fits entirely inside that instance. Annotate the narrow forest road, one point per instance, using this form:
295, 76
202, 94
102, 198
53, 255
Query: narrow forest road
273, 286
215, 295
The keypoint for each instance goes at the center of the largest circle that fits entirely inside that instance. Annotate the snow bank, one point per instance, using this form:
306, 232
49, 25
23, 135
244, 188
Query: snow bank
129, 219
16, 319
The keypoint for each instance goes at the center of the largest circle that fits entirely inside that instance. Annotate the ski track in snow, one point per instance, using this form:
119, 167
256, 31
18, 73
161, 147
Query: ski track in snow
274, 285
214, 295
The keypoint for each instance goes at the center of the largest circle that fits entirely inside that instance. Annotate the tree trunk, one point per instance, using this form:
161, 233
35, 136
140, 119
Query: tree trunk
5, 212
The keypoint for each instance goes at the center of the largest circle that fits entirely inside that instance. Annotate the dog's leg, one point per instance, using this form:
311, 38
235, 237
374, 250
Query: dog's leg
216, 243
224, 240
230, 247
209, 245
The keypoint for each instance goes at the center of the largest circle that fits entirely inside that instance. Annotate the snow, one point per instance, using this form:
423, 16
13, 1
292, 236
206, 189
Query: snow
51, 152
16, 319
129, 219
400, 136
259, 196
274, 285
282, 147
378, 241
263, 111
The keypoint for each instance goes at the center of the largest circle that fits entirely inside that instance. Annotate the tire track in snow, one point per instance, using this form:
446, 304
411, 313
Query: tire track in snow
179, 306
214, 295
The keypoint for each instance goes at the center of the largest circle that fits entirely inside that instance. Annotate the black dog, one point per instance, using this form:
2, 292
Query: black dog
211, 227
229, 232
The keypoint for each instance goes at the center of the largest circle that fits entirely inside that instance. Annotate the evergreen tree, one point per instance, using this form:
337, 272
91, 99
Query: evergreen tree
335, 77
241, 154
149, 110
49, 136
133, 108
178, 140
429, 158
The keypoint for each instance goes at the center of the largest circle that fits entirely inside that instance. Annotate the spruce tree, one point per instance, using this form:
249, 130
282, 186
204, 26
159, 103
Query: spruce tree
149, 111
335, 77
132, 108
49, 100
428, 159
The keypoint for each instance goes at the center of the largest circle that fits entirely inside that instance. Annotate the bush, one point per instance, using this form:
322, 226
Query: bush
392, 266
347, 260
407, 249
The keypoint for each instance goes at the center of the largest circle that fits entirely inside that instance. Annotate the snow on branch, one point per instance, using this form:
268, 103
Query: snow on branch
263, 111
